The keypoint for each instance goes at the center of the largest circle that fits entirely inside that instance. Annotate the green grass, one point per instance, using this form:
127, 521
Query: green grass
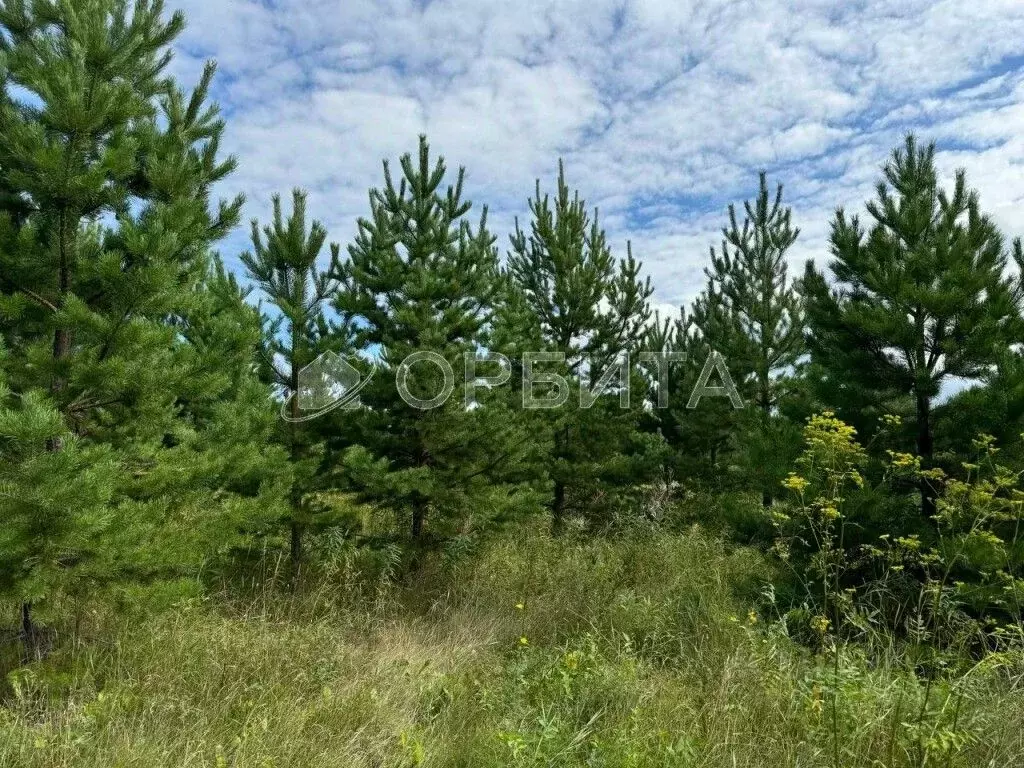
648, 650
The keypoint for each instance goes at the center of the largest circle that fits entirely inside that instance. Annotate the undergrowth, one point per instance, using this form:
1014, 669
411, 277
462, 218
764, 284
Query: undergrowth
649, 649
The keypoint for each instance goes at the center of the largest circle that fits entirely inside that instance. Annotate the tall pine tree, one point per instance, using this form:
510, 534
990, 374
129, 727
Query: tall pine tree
591, 308
284, 265
106, 167
759, 325
921, 296
420, 280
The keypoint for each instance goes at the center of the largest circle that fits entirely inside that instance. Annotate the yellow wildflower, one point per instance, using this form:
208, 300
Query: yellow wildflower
795, 483
908, 461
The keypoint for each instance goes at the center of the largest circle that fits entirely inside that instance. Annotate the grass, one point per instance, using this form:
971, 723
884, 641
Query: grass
647, 650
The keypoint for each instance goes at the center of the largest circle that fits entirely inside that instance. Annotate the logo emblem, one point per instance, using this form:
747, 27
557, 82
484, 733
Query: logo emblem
326, 384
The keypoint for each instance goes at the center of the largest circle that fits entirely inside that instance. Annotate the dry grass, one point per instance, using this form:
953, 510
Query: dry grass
639, 652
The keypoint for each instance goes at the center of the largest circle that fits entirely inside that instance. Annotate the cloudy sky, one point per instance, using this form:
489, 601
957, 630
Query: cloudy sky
663, 110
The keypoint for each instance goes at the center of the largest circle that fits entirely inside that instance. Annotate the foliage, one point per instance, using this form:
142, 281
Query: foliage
587, 310
420, 280
283, 264
115, 379
921, 296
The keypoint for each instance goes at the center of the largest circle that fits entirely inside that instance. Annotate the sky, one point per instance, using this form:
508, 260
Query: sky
664, 111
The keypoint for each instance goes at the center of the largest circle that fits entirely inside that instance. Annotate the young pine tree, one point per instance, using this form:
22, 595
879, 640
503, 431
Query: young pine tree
216, 482
759, 315
106, 168
591, 308
283, 264
419, 279
920, 296
702, 435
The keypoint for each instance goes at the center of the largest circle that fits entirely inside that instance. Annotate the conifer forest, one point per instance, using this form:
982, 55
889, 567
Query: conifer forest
458, 494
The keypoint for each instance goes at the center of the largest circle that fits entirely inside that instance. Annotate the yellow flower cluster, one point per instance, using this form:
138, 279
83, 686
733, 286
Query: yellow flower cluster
986, 537
829, 511
904, 462
820, 624
986, 444
826, 423
832, 443
912, 543
795, 483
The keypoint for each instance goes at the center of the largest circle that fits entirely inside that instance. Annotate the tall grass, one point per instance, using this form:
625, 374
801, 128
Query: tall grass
646, 650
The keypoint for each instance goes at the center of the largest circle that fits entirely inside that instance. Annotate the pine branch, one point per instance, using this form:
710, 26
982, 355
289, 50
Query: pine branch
42, 301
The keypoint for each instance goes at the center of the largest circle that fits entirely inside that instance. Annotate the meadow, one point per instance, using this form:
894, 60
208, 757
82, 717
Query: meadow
649, 648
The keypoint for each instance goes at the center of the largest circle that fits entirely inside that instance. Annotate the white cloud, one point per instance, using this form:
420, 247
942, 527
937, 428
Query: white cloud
664, 110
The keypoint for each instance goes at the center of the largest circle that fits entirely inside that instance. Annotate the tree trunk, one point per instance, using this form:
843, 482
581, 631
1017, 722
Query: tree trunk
924, 450
766, 412
558, 510
28, 628
55, 444
561, 450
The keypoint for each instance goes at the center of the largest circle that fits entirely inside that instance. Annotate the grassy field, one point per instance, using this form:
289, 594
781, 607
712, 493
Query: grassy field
648, 650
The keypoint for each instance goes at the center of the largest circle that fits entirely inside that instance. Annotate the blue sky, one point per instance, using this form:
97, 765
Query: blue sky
664, 110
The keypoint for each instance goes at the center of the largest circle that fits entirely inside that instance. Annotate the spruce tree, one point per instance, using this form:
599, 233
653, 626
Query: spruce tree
920, 296
591, 308
106, 167
284, 265
420, 280
759, 325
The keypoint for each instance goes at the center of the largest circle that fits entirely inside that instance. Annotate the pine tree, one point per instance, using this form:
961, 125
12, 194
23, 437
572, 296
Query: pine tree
591, 308
703, 433
420, 279
106, 167
215, 483
284, 265
921, 296
239, 477
996, 409
760, 329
